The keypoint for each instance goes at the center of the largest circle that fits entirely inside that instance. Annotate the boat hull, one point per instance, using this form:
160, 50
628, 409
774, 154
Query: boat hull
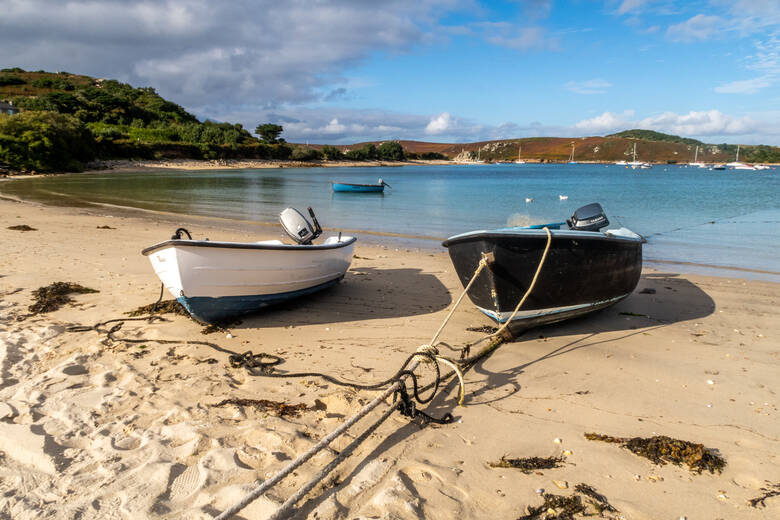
217, 281
583, 272
358, 188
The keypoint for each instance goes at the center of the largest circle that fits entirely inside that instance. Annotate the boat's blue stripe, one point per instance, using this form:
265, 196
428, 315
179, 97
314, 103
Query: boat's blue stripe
212, 310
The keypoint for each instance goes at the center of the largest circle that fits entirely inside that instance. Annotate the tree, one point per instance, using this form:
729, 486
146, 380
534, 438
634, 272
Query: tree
269, 133
391, 151
45, 141
332, 153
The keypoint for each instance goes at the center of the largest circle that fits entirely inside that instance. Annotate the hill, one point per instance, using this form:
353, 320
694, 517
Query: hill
68, 119
650, 135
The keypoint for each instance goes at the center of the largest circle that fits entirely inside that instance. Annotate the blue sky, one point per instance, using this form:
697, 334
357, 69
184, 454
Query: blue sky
433, 70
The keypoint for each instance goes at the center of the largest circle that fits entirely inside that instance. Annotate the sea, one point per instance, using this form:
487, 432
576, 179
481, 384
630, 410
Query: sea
715, 222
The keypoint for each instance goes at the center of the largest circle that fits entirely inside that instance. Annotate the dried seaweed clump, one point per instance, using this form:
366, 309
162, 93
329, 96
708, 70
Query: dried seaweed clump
528, 464
163, 307
54, 296
586, 502
771, 490
485, 329
662, 449
22, 227
275, 407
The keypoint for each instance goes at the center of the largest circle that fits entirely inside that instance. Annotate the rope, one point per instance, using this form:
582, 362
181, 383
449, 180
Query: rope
324, 442
284, 509
482, 264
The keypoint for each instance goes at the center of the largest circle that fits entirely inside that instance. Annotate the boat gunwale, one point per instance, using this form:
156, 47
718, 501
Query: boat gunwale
247, 245
359, 185
537, 233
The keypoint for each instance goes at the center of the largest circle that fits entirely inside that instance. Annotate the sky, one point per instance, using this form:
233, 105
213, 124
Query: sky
432, 70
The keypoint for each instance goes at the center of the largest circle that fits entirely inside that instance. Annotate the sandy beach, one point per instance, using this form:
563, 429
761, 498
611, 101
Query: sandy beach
92, 427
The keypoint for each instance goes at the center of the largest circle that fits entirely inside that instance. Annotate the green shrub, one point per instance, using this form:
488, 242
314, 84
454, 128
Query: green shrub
391, 151
332, 153
45, 141
8, 79
302, 153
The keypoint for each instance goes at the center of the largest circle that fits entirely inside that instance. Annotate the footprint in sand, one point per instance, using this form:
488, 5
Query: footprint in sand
187, 482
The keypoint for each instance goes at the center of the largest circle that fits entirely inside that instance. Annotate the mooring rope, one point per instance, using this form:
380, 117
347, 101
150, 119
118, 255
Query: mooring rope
426, 351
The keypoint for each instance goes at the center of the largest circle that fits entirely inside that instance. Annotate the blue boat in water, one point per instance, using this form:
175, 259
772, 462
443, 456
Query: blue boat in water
345, 187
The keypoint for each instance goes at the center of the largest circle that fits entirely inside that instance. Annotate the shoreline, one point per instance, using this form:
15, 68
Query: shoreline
92, 424
422, 242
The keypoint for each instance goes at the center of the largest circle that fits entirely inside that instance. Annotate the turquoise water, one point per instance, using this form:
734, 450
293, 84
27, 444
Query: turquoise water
689, 215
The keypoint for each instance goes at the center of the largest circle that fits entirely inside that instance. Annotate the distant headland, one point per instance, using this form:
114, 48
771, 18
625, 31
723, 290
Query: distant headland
59, 122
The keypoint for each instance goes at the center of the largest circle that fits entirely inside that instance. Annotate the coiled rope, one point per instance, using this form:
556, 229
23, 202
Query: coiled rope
427, 351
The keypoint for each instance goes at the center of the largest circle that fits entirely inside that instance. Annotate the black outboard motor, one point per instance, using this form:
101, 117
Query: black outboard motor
298, 228
588, 218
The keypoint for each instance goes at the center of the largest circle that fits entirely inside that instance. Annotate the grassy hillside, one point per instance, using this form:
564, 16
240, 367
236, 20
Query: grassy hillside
105, 119
120, 122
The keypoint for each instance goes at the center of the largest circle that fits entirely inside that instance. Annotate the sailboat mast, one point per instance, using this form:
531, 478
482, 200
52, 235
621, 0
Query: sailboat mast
737, 159
696, 155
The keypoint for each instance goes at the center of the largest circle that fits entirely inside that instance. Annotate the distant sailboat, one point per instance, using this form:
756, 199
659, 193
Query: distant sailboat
736, 165
571, 155
696, 160
519, 155
638, 164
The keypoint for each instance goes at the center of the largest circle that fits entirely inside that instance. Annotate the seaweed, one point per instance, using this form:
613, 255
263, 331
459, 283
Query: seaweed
661, 449
485, 329
54, 296
105, 227
280, 409
22, 227
558, 507
528, 464
598, 500
162, 307
771, 490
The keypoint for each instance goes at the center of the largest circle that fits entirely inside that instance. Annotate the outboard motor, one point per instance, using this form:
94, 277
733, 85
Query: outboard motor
298, 228
588, 218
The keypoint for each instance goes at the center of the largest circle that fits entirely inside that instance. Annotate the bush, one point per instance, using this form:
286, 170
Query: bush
302, 153
391, 151
8, 79
45, 141
332, 153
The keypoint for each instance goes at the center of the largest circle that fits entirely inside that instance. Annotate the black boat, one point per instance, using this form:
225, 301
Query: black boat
585, 269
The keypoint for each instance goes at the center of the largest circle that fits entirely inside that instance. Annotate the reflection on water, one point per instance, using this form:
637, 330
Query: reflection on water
729, 218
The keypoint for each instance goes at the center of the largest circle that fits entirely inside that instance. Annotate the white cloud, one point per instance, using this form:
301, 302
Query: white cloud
606, 123
705, 123
766, 60
439, 124
512, 36
200, 53
745, 86
698, 28
591, 86
630, 6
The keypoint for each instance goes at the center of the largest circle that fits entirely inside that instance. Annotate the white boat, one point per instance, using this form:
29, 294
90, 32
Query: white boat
736, 165
216, 281
634, 164
571, 156
696, 162
519, 155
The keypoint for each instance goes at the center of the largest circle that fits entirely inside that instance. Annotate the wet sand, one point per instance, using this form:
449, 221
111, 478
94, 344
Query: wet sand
95, 428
